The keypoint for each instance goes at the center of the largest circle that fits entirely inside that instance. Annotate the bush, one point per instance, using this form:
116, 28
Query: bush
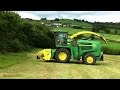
77, 27
17, 34
15, 45
12, 46
56, 19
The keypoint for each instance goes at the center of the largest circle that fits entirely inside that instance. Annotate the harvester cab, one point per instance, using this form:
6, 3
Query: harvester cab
67, 47
60, 38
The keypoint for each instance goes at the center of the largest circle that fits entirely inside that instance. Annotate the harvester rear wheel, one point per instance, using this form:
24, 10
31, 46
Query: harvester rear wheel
62, 55
89, 59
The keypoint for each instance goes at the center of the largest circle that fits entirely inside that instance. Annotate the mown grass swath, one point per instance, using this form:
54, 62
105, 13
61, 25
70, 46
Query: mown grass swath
10, 59
24, 65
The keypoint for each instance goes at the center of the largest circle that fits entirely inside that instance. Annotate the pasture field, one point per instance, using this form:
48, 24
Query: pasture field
24, 65
112, 37
70, 30
73, 31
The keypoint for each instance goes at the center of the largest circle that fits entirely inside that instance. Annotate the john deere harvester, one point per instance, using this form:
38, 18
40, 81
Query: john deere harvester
70, 47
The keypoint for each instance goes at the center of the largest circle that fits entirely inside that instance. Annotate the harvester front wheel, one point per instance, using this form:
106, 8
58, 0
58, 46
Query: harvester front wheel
83, 59
62, 55
89, 59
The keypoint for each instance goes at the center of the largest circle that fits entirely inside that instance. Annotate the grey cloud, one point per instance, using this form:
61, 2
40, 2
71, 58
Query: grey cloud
87, 15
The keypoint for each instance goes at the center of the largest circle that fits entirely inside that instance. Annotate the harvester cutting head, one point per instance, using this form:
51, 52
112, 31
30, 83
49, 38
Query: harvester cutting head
44, 54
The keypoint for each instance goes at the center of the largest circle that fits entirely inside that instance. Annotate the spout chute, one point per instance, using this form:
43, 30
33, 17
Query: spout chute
87, 32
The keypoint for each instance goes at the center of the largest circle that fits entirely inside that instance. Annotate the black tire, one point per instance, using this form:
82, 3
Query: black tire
102, 58
86, 61
62, 50
83, 60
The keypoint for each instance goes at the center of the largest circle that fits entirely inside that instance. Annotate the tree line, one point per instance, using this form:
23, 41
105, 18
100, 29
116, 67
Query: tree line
17, 34
109, 28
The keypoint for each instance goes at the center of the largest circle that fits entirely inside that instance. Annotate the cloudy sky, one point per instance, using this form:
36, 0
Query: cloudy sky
101, 16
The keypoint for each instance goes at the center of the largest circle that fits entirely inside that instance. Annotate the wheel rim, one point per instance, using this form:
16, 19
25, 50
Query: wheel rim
90, 59
62, 55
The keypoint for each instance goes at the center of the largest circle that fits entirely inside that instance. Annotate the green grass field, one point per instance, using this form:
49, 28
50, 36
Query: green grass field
112, 37
68, 21
71, 30
83, 24
26, 66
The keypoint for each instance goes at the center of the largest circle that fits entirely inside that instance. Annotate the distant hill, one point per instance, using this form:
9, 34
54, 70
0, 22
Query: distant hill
83, 24
102, 27
74, 22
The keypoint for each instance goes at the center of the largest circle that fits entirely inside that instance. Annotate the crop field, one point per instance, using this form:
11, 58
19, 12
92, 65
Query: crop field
112, 37
24, 65
70, 30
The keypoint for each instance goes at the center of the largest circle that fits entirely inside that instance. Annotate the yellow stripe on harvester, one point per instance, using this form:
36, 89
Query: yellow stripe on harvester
87, 45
